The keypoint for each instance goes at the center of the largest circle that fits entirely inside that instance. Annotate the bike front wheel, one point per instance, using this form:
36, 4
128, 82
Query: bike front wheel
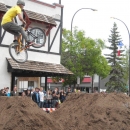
19, 55
38, 36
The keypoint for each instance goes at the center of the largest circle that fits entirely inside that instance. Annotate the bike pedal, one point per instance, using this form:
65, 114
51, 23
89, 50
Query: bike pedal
27, 47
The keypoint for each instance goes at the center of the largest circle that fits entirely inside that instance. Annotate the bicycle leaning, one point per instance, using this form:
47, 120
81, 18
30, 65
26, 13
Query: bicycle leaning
18, 50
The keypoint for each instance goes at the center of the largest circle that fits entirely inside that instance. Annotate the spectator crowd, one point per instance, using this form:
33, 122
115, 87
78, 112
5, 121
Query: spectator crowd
44, 99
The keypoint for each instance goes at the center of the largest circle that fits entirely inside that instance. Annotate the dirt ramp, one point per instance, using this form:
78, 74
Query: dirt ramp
21, 113
94, 112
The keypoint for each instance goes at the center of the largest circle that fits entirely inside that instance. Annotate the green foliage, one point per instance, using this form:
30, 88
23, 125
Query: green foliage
82, 56
116, 81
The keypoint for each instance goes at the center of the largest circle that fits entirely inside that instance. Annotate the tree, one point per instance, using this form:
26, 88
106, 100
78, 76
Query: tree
116, 81
82, 55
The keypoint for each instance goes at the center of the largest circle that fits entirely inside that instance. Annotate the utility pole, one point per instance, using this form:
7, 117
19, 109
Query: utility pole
92, 84
59, 1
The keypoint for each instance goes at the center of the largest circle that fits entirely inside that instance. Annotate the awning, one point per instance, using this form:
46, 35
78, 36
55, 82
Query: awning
37, 68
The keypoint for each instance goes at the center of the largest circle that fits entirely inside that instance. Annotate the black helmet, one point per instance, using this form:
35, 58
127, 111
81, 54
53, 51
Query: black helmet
20, 2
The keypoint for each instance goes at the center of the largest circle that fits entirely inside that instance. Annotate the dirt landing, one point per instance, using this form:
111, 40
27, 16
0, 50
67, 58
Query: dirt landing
21, 113
94, 112
78, 112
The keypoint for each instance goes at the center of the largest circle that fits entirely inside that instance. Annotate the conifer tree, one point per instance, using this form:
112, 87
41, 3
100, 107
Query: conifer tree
116, 62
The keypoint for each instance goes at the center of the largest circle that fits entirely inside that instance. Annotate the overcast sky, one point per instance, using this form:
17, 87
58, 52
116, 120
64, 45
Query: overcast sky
97, 24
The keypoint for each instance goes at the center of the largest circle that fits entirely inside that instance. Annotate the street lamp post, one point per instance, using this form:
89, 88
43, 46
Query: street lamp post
76, 13
129, 47
74, 16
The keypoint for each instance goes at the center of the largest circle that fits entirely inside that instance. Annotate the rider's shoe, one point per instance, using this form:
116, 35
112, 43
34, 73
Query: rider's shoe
15, 40
30, 43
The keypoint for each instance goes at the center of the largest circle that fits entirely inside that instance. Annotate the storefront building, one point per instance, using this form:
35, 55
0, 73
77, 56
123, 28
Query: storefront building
43, 62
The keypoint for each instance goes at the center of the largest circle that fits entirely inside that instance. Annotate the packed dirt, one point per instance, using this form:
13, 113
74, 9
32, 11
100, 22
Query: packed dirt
95, 112
21, 113
79, 112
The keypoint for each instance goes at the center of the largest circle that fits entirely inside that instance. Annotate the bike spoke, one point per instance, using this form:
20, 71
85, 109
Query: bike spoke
19, 55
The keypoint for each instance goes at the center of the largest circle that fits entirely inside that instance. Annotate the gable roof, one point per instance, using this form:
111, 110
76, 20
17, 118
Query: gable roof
40, 17
3, 7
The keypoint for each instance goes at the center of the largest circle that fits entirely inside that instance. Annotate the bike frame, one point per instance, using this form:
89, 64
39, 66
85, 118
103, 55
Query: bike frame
21, 44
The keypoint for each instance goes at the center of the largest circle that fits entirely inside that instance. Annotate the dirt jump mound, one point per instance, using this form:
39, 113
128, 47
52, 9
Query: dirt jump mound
78, 112
94, 112
21, 113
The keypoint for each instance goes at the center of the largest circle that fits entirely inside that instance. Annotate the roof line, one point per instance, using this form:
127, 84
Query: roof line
59, 5
47, 4
38, 66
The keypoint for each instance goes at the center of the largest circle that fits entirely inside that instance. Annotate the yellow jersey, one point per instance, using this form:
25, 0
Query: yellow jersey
10, 14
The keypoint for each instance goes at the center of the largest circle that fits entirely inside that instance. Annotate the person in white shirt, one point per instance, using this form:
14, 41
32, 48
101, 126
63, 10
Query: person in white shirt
41, 97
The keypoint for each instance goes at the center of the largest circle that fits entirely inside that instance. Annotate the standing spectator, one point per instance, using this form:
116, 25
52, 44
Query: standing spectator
14, 92
28, 93
2, 92
36, 96
79, 91
41, 97
48, 99
75, 90
4, 89
55, 95
62, 96
7, 93
68, 91
23, 94
32, 91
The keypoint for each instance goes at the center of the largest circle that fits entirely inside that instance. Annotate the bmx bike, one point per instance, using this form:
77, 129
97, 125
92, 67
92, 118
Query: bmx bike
18, 50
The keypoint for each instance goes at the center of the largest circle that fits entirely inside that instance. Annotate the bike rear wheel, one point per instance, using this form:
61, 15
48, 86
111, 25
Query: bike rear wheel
18, 56
41, 37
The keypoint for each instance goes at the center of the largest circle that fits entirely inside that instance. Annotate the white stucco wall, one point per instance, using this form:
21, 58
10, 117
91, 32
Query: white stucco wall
35, 7
43, 57
5, 77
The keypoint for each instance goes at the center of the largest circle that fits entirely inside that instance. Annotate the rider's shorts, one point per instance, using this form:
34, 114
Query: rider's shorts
12, 28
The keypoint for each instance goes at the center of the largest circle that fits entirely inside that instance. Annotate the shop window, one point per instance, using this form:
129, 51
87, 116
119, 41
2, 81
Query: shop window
23, 85
30, 85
